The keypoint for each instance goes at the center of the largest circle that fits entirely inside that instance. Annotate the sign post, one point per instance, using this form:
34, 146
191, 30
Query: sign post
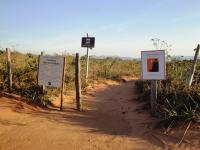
153, 68
63, 84
87, 62
154, 87
88, 42
52, 72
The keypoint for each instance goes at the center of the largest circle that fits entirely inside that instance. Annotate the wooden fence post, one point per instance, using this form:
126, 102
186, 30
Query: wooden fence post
42, 87
193, 66
78, 82
9, 69
153, 97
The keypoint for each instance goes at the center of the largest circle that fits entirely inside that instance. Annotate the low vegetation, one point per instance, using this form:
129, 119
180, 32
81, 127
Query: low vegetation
25, 66
176, 101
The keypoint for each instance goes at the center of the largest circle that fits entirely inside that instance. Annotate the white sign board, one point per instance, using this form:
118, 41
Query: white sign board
153, 65
51, 71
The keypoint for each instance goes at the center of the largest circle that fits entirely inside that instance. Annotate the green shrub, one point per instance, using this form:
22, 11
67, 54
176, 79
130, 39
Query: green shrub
176, 102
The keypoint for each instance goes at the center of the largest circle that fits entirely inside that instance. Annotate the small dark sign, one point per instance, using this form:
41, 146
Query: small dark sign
88, 42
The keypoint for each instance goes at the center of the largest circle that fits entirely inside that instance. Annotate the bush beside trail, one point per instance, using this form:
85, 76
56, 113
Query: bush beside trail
176, 101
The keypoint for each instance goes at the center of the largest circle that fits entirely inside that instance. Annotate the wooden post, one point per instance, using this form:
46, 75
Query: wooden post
87, 64
193, 66
42, 87
38, 65
153, 97
63, 85
9, 69
78, 82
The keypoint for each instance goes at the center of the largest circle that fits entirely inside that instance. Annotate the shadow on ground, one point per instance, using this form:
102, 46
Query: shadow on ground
109, 110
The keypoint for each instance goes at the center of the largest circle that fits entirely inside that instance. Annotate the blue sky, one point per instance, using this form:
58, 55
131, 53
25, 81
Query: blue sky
121, 27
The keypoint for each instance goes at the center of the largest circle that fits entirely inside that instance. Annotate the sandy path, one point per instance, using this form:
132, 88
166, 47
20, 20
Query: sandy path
109, 122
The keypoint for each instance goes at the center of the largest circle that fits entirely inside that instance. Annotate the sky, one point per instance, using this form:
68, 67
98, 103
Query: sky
121, 27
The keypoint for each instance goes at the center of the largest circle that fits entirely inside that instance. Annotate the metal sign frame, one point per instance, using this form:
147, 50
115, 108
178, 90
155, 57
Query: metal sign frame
153, 65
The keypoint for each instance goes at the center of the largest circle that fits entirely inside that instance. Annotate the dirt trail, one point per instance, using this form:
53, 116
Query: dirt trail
109, 122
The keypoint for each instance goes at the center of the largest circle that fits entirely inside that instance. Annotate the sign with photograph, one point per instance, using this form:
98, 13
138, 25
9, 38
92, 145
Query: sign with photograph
88, 42
51, 71
153, 65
